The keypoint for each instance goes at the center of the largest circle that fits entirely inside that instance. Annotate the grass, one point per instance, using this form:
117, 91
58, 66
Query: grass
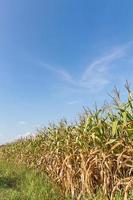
95, 154
19, 183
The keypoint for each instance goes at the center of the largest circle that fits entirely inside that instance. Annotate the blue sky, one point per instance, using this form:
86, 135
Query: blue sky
58, 55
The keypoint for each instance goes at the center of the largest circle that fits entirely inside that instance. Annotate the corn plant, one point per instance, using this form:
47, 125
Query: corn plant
94, 154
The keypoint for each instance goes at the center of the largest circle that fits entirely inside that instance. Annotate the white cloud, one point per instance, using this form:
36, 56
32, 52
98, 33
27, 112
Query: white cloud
74, 102
96, 75
26, 135
22, 123
60, 72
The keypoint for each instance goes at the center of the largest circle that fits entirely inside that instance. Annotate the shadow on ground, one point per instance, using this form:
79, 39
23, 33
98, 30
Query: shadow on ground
6, 182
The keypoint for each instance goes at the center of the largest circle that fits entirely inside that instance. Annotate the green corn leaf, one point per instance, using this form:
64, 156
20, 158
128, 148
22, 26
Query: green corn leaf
114, 127
124, 115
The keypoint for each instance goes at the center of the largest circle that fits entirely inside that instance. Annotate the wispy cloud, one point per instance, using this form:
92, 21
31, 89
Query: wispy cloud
22, 123
63, 74
74, 102
96, 75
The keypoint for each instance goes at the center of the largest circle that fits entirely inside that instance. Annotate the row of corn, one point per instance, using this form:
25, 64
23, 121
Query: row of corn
94, 154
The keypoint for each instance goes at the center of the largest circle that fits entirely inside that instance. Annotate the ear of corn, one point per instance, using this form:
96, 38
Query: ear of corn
94, 154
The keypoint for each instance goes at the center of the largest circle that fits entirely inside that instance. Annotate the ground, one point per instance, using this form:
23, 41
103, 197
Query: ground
19, 183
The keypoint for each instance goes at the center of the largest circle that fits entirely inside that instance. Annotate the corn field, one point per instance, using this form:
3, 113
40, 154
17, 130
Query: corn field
94, 154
